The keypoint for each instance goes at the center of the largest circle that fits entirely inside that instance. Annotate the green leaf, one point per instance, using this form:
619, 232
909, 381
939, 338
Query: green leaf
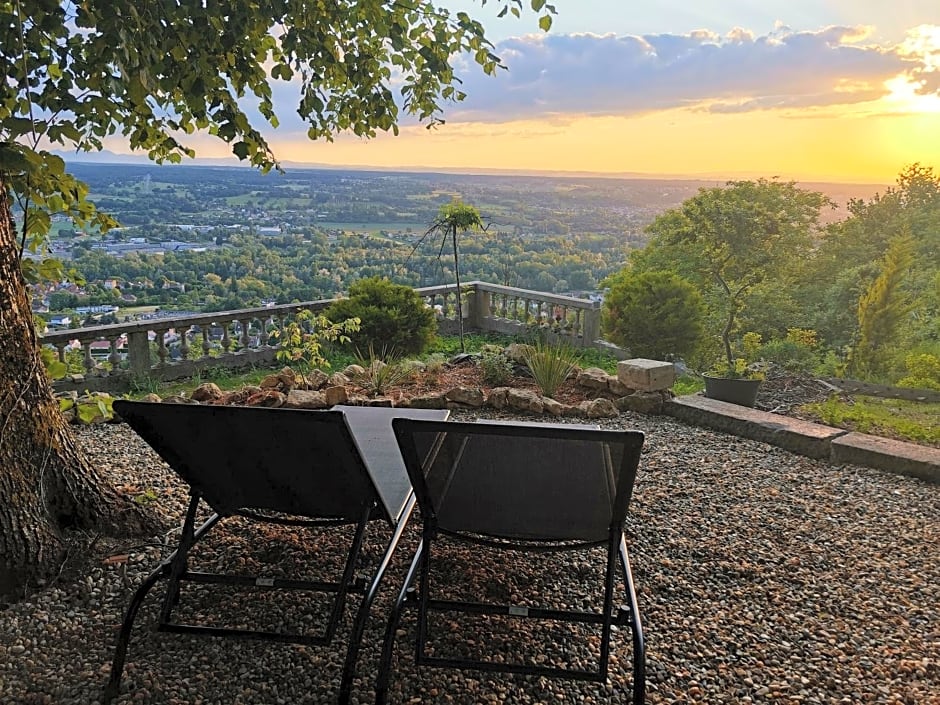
545, 22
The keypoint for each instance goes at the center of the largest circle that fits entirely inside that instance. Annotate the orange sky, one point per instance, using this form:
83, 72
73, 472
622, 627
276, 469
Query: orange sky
852, 95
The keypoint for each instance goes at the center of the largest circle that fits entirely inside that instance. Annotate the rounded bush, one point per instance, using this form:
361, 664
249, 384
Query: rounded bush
393, 318
655, 315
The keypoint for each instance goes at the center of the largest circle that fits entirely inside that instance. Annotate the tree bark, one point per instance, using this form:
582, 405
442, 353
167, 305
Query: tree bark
45, 483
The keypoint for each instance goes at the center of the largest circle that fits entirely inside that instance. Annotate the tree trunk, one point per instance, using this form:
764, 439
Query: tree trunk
459, 302
45, 483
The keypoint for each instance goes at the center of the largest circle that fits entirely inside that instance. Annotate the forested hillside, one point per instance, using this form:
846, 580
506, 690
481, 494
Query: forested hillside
843, 287
859, 296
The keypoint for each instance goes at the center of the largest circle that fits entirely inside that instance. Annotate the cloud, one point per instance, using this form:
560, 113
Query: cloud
591, 74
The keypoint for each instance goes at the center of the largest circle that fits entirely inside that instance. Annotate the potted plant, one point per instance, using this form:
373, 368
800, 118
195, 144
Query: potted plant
737, 383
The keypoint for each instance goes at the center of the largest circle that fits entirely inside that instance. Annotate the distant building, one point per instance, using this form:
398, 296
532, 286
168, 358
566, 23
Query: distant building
104, 308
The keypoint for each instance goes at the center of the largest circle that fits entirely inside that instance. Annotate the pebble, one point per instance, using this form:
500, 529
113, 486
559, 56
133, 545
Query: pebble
762, 577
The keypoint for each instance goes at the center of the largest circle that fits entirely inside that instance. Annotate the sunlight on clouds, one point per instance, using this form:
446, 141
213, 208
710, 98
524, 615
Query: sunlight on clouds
917, 91
923, 43
906, 96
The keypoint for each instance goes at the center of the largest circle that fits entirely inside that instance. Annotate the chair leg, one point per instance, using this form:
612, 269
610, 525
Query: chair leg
359, 625
120, 651
172, 565
639, 642
388, 645
346, 579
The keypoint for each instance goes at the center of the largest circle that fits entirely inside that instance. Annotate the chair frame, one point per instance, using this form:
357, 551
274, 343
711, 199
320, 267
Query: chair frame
175, 570
420, 568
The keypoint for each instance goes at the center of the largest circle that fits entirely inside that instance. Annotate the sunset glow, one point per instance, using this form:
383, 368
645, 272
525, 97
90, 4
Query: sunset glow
848, 92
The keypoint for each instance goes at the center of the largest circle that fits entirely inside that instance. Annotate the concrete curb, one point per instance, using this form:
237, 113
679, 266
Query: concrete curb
810, 439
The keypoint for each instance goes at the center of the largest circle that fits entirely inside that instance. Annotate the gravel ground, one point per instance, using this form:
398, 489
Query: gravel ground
762, 577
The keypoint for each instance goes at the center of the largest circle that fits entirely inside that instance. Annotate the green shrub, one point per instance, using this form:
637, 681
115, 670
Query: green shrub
923, 372
496, 367
653, 314
391, 316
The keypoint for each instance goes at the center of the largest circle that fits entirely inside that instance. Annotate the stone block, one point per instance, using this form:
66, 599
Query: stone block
795, 435
646, 375
888, 454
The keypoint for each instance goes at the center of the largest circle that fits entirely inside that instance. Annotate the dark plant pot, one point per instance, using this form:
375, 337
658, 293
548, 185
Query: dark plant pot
736, 391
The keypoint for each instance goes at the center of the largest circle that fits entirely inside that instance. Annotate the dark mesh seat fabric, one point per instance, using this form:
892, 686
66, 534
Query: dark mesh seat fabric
525, 487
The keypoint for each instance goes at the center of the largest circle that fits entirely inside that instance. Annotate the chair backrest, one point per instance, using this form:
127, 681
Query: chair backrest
294, 461
534, 482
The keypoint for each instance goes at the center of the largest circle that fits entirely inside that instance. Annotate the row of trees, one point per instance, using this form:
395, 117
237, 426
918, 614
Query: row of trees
295, 268
753, 257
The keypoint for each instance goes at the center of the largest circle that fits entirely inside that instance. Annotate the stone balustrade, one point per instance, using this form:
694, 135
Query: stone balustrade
175, 347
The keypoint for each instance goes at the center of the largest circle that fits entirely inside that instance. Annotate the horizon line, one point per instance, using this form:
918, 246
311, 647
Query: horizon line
107, 157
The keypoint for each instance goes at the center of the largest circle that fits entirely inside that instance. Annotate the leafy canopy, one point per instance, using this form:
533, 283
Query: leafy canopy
157, 72
730, 239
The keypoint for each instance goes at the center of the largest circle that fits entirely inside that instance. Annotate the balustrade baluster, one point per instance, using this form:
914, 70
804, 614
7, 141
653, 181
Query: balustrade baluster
576, 327
87, 360
162, 352
61, 350
184, 344
226, 341
206, 345
527, 310
246, 339
114, 357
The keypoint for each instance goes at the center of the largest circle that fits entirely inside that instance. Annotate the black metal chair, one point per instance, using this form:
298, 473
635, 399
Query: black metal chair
516, 486
288, 467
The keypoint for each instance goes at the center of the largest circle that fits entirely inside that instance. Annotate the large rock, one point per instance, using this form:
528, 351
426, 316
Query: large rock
646, 375
498, 397
618, 388
238, 396
353, 371
270, 398
524, 400
289, 379
306, 399
553, 407
335, 395
427, 401
642, 403
465, 396
316, 379
338, 379
270, 382
598, 409
207, 391
593, 378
